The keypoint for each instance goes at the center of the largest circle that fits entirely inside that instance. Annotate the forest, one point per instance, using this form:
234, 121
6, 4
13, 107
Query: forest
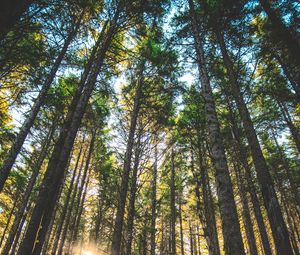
150, 127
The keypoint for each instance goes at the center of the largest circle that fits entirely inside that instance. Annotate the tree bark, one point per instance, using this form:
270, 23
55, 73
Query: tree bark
230, 223
133, 190
242, 157
11, 213
210, 226
172, 204
70, 208
25, 197
181, 228
68, 197
289, 122
293, 185
25, 129
118, 226
191, 238
246, 212
28, 123
279, 230
154, 204
82, 192
57, 165
78, 216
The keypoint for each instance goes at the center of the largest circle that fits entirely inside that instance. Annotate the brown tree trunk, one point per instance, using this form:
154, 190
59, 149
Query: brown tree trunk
191, 238
28, 123
68, 197
172, 204
277, 223
70, 208
82, 192
79, 214
288, 74
246, 212
242, 157
154, 204
293, 185
25, 197
289, 122
181, 228
57, 164
118, 227
210, 226
11, 213
230, 223
133, 190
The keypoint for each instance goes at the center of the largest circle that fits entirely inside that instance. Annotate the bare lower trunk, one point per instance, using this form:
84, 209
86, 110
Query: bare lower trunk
69, 210
25, 197
246, 212
210, 225
230, 223
293, 185
172, 204
191, 239
289, 122
242, 157
55, 173
24, 130
154, 203
65, 208
118, 227
133, 190
81, 207
277, 223
181, 229
9, 219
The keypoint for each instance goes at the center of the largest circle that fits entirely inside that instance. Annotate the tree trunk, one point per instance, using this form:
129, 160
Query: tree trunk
181, 229
191, 239
25, 197
78, 216
210, 226
133, 190
65, 208
242, 156
172, 205
18, 233
154, 204
230, 223
81, 194
70, 208
57, 164
10, 14
246, 212
118, 227
9, 218
28, 123
284, 202
277, 223
288, 74
293, 185
289, 122
198, 239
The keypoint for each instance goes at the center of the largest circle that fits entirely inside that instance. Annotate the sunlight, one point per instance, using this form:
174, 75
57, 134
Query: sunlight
87, 253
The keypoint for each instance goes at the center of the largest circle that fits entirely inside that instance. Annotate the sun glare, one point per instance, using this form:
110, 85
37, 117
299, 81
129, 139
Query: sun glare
87, 253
